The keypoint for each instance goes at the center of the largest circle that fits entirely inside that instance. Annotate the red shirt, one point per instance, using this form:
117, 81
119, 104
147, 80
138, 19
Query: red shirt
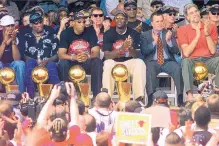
186, 34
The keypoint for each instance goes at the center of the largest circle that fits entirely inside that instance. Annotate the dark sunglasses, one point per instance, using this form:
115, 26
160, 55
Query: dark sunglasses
97, 15
11, 25
215, 13
131, 8
157, 7
38, 22
80, 21
172, 14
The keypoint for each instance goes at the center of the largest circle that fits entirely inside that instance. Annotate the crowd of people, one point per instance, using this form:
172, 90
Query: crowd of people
147, 36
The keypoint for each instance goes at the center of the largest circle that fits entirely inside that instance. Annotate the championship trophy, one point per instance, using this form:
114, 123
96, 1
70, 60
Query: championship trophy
39, 76
7, 76
200, 72
120, 74
76, 75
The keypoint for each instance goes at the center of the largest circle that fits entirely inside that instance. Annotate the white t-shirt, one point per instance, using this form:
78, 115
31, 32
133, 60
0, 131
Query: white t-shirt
111, 5
104, 119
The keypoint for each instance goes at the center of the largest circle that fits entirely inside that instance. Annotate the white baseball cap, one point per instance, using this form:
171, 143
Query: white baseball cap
7, 20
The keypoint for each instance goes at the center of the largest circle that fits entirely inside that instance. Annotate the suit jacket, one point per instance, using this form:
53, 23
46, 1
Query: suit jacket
148, 50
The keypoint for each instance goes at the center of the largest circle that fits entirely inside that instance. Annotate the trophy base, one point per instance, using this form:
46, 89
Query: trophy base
11, 88
44, 89
84, 92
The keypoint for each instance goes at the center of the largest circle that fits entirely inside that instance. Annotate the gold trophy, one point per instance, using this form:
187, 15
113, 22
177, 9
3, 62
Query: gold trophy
7, 76
120, 74
78, 74
39, 76
200, 71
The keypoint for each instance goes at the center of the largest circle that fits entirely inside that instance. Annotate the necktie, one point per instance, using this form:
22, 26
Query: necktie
160, 57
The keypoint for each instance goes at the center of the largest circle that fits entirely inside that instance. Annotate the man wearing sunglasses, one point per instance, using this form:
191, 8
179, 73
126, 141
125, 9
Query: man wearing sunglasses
130, 7
78, 46
155, 6
9, 52
97, 17
214, 17
198, 42
39, 44
119, 46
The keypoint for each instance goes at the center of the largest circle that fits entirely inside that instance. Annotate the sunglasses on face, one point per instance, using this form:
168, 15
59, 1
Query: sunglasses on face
157, 7
172, 14
119, 18
215, 13
97, 15
131, 8
38, 22
80, 21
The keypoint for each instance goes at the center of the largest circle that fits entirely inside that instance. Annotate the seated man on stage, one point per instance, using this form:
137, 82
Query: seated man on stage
119, 46
9, 53
40, 48
198, 41
158, 47
78, 46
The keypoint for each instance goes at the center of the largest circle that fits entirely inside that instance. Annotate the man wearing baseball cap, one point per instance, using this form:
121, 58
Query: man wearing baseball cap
214, 15
40, 49
78, 46
130, 7
156, 5
119, 46
9, 53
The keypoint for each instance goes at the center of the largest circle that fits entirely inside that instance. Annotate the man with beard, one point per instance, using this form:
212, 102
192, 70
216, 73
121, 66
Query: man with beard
40, 48
119, 46
78, 46
198, 42
130, 7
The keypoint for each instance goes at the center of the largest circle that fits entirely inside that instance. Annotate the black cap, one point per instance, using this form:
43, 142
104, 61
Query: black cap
160, 95
121, 12
204, 11
62, 8
156, 2
14, 97
130, 2
78, 15
35, 17
59, 130
214, 8
169, 9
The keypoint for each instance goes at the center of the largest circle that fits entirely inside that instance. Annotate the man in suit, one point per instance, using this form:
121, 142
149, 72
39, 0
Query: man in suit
158, 47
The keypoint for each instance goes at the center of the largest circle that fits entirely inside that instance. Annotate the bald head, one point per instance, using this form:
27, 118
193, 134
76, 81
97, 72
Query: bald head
103, 100
90, 123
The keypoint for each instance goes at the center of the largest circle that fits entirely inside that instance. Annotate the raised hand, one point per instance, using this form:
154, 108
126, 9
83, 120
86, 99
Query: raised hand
155, 37
168, 35
55, 92
71, 89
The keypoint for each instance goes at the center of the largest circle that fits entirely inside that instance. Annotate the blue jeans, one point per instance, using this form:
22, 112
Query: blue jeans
31, 85
19, 68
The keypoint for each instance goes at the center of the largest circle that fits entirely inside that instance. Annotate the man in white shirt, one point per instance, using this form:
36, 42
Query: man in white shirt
103, 114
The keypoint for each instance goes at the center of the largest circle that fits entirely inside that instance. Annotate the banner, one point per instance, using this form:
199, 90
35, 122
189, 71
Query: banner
133, 128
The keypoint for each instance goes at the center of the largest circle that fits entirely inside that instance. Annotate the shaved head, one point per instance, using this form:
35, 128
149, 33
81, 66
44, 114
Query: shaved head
90, 123
103, 100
